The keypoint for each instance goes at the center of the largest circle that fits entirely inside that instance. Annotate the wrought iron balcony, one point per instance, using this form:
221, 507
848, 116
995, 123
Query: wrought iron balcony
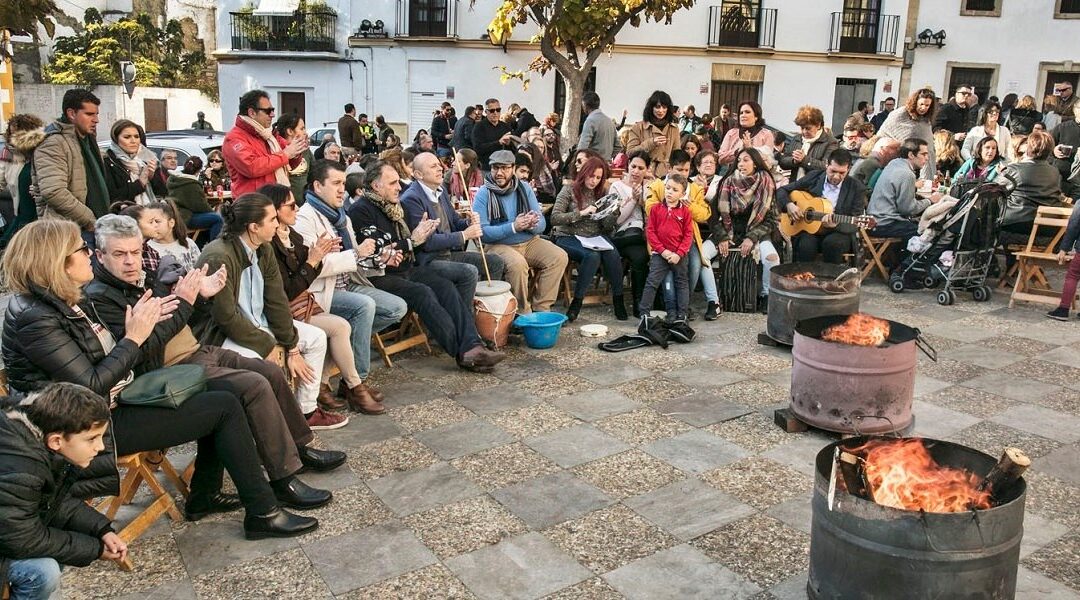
738, 25
309, 31
864, 31
427, 18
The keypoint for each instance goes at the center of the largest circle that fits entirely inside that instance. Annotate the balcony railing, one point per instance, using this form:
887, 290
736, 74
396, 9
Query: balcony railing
737, 25
864, 31
426, 18
314, 31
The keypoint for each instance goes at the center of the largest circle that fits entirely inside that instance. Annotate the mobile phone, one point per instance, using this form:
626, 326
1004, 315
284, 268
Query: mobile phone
1067, 150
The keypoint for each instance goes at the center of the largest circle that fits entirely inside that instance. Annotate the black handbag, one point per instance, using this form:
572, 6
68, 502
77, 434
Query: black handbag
167, 387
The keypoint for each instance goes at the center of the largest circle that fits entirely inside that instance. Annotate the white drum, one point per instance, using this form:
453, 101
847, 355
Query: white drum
495, 308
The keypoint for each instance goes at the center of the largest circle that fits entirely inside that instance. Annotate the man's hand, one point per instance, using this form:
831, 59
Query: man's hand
673, 257
423, 230
523, 222
115, 548
795, 212
296, 148
505, 139
212, 284
746, 246
187, 289
299, 368
936, 197
828, 220
1059, 151
1061, 257
395, 258
472, 232
365, 249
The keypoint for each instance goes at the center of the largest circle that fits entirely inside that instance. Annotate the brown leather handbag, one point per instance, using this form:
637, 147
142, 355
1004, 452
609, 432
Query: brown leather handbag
304, 306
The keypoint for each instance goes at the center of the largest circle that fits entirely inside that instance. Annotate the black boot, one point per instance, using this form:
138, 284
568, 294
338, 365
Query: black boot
200, 505
712, 311
277, 523
620, 307
320, 460
293, 493
575, 308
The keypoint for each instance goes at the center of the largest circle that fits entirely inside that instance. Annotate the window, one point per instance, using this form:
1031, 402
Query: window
859, 26
1067, 9
428, 18
983, 79
980, 8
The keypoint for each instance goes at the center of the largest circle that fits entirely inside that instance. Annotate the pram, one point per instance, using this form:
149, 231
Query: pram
957, 249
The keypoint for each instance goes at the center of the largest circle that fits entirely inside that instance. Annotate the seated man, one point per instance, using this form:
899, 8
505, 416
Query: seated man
894, 202
440, 292
847, 196
512, 222
251, 315
426, 198
42, 526
869, 169
281, 433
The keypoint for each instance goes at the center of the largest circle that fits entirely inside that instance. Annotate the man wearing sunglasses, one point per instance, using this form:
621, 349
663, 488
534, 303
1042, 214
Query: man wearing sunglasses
254, 154
1066, 99
954, 115
491, 134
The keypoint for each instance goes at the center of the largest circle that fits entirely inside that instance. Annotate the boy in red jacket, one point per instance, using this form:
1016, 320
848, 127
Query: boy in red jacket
670, 233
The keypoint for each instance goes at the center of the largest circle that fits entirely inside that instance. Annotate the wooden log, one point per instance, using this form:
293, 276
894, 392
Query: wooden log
1009, 468
786, 420
854, 475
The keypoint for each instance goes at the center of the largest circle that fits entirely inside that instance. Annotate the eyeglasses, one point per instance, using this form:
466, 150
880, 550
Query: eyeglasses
1063, 89
963, 93
289, 204
494, 110
84, 249
216, 160
269, 110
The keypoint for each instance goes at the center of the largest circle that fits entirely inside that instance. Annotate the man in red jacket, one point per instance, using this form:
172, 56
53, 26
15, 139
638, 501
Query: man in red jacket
254, 154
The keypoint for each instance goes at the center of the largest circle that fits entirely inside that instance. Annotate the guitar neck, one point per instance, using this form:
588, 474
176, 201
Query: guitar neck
858, 221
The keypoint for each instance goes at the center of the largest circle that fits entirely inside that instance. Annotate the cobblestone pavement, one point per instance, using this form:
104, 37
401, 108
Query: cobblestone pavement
572, 473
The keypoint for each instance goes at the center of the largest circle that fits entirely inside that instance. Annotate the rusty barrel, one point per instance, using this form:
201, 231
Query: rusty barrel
791, 301
861, 549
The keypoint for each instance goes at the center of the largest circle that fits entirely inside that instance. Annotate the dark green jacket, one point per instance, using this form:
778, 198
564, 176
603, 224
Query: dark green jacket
187, 193
226, 319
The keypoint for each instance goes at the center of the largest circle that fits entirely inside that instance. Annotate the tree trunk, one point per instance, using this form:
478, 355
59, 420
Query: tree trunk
571, 124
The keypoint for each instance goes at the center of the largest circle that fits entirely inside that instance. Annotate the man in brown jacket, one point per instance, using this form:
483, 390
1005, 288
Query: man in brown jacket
67, 166
347, 126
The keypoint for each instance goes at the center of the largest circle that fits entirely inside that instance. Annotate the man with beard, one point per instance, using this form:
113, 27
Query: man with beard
512, 222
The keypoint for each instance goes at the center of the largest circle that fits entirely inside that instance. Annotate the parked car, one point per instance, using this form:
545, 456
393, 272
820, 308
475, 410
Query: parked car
185, 142
316, 138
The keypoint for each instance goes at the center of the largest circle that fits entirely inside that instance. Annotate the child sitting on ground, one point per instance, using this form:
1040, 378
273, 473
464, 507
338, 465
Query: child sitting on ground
170, 235
43, 442
669, 231
1069, 244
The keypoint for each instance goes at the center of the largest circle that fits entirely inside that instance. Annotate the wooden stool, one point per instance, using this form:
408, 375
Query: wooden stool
400, 339
1031, 282
877, 248
140, 469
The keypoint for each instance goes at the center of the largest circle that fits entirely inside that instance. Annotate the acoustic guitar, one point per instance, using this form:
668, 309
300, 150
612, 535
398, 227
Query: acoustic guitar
814, 209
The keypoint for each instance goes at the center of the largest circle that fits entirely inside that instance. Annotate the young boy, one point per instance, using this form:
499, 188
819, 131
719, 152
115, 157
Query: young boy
43, 442
670, 232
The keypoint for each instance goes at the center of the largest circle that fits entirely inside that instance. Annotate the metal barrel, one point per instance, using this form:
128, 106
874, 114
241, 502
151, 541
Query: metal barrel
788, 306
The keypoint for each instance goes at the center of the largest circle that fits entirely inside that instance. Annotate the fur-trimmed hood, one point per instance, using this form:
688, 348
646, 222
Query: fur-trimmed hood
26, 141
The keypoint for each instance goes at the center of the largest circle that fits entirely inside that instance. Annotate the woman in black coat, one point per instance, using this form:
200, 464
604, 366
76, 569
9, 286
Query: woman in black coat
130, 166
49, 336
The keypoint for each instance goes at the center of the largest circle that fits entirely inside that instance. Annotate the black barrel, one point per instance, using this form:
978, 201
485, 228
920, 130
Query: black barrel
789, 303
860, 549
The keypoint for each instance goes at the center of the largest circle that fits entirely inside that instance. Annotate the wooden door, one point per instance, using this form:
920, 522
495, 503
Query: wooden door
292, 103
155, 115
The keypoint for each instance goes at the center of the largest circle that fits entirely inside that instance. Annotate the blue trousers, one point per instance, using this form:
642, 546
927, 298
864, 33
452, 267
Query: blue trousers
210, 221
367, 309
589, 261
33, 578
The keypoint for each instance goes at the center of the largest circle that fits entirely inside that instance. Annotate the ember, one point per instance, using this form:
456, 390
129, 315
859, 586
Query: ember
902, 474
804, 276
858, 330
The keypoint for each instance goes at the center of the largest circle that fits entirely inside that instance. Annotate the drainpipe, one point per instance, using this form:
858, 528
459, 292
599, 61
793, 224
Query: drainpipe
369, 78
909, 34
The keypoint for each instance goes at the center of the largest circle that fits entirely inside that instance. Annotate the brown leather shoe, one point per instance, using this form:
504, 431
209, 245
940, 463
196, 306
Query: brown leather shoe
327, 401
343, 391
361, 400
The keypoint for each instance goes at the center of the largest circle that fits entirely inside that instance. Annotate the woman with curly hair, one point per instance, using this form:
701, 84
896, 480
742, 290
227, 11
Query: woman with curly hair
656, 132
816, 144
914, 120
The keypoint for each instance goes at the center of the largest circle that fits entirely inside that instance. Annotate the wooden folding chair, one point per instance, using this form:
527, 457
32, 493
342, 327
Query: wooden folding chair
597, 294
1031, 282
5, 592
139, 469
875, 248
410, 333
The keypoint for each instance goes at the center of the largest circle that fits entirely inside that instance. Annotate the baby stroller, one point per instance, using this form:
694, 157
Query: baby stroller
956, 249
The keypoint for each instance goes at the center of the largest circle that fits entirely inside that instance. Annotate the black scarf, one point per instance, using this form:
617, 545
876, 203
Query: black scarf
495, 209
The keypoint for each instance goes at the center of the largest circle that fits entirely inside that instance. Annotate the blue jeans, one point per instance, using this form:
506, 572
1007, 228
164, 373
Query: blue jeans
589, 261
389, 309
210, 221
33, 578
359, 311
695, 269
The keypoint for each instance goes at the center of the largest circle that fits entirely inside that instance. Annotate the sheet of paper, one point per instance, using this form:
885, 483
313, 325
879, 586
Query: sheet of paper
595, 243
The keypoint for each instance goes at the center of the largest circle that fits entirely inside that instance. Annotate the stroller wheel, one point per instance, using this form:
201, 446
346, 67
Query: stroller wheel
896, 283
946, 297
981, 293
930, 281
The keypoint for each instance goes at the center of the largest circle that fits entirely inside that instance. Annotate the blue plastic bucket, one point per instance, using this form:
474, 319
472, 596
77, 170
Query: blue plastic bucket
541, 329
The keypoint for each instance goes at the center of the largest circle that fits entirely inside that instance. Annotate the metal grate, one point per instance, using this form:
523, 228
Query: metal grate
742, 24
313, 31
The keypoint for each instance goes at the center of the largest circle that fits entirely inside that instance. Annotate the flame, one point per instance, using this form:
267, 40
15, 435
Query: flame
858, 330
903, 475
804, 276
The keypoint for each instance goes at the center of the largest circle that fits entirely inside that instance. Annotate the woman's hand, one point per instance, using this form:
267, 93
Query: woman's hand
139, 320
299, 368
746, 246
588, 210
723, 247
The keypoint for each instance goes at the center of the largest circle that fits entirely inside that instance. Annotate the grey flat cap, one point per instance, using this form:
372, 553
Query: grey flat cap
501, 157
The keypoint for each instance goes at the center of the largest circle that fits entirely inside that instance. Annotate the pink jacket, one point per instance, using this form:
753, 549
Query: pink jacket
733, 143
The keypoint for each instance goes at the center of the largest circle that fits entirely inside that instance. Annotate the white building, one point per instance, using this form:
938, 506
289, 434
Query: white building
784, 53
999, 46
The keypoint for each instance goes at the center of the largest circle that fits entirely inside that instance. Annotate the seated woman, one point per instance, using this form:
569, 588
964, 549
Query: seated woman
983, 165
1038, 183
989, 126
300, 267
49, 337
215, 175
130, 165
811, 151
462, 191
690, 144
745, 215
571, 219
629, 236
751, 133
947, 154
190, 199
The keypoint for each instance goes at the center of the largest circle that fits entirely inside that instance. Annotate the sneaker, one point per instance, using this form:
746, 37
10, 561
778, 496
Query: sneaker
1059, 313
712, 311
320, 419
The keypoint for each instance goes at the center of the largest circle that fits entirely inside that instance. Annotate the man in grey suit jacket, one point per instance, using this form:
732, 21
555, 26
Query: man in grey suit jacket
598, 133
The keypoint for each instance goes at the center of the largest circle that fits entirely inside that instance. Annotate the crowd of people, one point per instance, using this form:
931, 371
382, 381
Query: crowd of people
317, 250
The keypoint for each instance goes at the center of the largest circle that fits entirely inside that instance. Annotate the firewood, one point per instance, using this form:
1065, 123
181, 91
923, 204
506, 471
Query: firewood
853, 470
1009, 468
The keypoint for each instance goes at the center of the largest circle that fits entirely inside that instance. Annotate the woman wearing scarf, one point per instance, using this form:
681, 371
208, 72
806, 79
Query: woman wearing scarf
629, 237
751, 133
129, 165
914, 120
291, 126
656, 133
215, 175
744, 215
463, 191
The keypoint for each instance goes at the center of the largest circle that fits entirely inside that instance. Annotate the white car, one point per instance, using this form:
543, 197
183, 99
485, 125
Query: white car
185, 142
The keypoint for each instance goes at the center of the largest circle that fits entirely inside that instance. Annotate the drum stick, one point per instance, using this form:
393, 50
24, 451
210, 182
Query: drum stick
479, 241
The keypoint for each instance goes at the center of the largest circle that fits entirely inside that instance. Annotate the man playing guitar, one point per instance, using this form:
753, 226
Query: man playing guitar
846, 194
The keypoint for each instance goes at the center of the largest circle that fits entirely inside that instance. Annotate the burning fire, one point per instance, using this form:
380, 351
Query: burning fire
804, 276
902, 474
858, 330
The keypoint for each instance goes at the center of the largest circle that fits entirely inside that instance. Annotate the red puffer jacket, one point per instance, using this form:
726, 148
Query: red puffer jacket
249, 160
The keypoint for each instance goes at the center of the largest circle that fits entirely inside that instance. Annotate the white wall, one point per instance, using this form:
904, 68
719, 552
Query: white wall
44, 100
1023, 36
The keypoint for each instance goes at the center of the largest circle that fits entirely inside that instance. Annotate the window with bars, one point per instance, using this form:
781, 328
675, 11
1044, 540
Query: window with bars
1069, 7
980, 79
981, 5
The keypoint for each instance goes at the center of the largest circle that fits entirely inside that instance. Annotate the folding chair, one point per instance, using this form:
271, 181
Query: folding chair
1031, 282
401, 339
876, 248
